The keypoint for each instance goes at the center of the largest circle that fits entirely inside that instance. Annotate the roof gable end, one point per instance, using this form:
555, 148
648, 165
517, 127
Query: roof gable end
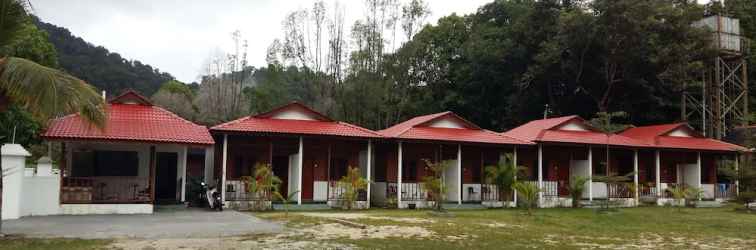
294, 111
448, 120
130, 97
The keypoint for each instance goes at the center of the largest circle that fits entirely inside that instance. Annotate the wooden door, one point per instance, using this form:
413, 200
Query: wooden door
166, 173
307, 180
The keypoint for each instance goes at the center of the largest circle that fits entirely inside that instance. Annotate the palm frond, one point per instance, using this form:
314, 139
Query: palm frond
13, 14
47, 92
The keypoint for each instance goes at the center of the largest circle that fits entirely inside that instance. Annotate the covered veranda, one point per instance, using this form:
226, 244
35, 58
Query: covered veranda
402, 161
308, 151
139, 159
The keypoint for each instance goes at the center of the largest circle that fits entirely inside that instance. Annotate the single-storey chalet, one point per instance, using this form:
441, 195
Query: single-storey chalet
140, 158
401, 166
683, 156
308, 151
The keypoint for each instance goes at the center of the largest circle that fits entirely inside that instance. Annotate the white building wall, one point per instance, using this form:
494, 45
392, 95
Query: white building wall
209, 164
293, 114
294, 175
41, 195
319, 190
447, 123
573, 126
581, 168
689, 174
599, 190
451, 180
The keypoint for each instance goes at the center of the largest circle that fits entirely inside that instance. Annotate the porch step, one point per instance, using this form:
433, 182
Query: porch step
303, 207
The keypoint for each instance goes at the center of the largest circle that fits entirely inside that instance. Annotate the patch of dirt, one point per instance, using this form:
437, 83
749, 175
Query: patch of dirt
273, 242
502, 225
354, 216
222, 243
650, 241
334, 231
308, 237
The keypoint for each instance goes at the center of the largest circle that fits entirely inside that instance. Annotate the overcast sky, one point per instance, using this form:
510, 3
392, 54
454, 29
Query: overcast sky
177, 36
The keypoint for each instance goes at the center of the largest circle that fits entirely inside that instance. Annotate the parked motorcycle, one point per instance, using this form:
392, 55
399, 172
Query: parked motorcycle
213, 196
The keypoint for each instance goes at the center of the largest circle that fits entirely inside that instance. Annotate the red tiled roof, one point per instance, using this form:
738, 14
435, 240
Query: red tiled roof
263, 123
656, 135
413, 129
544, 131
303, 127
131, 122
588, 137
532, 130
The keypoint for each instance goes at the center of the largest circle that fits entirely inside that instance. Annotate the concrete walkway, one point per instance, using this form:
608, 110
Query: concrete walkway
166, 224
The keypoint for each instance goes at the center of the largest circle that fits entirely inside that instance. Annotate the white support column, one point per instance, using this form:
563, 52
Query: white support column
698, 172
540, 174
737, 166
514, 156
299, 167
223, 168
399, 176
657, 158
590, 173
459, 174
635, 176
183, 173
369, 169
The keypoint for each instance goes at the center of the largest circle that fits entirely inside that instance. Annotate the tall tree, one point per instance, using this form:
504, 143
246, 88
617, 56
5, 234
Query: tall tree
43, 91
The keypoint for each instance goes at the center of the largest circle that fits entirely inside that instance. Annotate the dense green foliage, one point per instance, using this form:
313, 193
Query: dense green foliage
104, 69
500, 66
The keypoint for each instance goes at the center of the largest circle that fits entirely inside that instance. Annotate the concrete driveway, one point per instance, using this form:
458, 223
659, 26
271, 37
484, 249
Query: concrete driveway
166, 224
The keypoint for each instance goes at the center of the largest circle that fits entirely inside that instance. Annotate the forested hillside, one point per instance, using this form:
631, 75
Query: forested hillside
500, 66
104, 69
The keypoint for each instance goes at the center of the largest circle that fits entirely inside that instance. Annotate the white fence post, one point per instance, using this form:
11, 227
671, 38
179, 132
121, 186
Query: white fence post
13, 158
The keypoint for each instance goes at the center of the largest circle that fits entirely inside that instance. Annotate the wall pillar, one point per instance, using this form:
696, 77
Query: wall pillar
183, 173
657, 158
635, 176
590, 173
698, 172
13, 158
459, 174
399, 176
369, 169
223, 169
514, 160
540, 174
300, 164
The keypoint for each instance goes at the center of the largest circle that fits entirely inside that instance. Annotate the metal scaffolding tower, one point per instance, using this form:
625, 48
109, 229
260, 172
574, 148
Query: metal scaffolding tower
719, 101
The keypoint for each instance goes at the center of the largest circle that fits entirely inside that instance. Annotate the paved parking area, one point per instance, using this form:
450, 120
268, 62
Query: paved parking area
166, 224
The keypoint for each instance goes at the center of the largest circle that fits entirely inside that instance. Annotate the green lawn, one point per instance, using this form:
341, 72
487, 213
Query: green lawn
645, 227
630, 228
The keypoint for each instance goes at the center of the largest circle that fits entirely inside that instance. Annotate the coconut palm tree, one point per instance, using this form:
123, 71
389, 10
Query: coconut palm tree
43, 91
